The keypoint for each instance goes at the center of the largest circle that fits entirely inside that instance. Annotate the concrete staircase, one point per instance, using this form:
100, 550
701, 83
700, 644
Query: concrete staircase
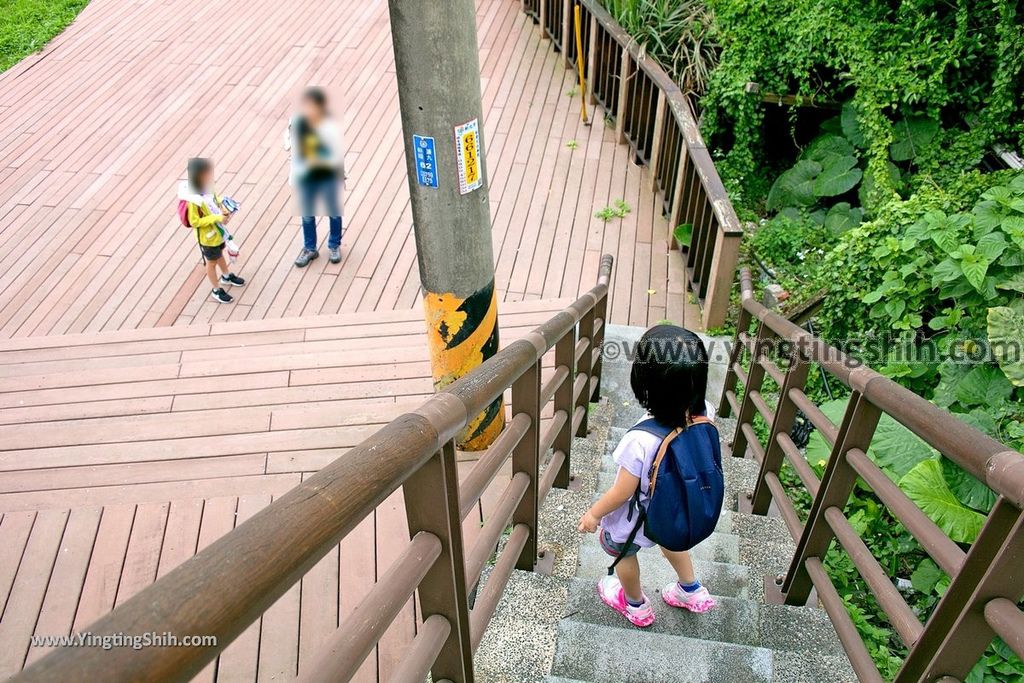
743, 639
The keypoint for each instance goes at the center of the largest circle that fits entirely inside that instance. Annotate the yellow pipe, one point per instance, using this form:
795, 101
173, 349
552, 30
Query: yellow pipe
579, 62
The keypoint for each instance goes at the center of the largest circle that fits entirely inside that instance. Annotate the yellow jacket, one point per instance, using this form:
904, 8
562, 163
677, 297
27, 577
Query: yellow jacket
201, 220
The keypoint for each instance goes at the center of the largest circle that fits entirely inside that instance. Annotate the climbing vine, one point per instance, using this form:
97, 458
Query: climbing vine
956, 63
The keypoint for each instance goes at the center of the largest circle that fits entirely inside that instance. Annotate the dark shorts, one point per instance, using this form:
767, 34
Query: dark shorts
212, 253
613, 548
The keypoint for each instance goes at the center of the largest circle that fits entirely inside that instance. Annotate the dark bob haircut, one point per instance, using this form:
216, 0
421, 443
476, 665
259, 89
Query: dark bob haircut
317, 96
670, 374
197, 168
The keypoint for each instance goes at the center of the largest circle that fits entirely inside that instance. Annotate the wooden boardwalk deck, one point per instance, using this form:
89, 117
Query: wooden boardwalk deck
140, 421
125, 453
96, 129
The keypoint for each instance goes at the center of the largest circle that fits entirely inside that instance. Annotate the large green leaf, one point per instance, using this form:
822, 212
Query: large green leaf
794, 187
842, 217
968, 490
897, 449
926, 486
850, 122
827, 149
1006, 337
1014, 283
911, 135
984, 385
894, 448
974, 265
926, 576
839, 177
818, 450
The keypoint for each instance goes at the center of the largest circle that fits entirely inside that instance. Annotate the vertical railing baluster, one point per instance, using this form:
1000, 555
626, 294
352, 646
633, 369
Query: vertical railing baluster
565, 356
785, 414
591, 75
543, 18
585, 367
957, 633
526, 458
656, 140
432, 504
755, 378
837, 484
597, 357
677, 215
735, 354
625, 103
723, 265
568, 35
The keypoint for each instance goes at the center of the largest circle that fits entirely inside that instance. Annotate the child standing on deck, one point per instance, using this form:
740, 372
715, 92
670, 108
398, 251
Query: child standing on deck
669, 378
205, 213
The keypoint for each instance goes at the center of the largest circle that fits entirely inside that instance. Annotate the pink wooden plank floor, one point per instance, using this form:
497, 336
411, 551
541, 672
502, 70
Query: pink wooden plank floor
96, 129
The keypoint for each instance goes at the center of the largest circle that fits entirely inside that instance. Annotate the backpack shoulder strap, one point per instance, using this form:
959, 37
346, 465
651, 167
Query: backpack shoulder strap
652, 426
662, 450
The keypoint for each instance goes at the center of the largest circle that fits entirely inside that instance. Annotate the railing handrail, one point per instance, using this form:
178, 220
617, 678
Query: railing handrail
226, 586
1000, 467
981, 600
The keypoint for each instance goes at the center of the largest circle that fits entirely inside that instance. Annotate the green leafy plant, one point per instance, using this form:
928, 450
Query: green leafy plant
679, 34
925, 484
617, 209
683, 234
572, 144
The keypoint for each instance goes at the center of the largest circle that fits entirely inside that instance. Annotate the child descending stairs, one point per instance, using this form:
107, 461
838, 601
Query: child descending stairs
572, 637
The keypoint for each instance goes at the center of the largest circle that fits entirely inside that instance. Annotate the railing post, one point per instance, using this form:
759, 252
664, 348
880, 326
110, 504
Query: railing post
625, 102
721, 275
542, 12
785, 414
432, 504
584, 367
957, 633
755, 378
526, 458
568, 35
837, 483
597, 347
591, 74
656, 140
565, 355
735, 353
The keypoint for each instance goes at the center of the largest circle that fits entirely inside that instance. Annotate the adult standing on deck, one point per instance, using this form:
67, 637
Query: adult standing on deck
317, 172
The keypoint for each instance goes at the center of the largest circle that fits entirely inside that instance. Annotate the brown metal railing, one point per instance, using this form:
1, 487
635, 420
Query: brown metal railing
987, 579
227, 586
654, 117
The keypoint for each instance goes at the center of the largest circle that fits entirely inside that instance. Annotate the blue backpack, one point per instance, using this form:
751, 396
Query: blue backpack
687, 487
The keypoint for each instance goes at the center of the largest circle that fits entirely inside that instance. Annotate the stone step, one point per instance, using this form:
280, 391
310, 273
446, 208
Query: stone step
613, 654
722, 578
734, 620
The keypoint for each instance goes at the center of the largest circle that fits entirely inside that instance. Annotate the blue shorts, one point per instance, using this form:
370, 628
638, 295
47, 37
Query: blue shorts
613, 548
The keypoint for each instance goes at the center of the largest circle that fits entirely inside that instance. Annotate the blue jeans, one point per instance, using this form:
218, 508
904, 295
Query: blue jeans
309, 191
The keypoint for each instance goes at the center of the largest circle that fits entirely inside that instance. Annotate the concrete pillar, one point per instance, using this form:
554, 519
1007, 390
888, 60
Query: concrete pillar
438, 69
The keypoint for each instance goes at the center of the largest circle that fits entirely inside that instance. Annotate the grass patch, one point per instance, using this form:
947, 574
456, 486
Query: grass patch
27, 25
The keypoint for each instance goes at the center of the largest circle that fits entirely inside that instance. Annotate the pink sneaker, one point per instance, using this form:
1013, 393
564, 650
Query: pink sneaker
698, 601
610, 591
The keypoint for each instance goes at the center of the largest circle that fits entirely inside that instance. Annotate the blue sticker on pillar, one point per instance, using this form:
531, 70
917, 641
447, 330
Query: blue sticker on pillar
426, 161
